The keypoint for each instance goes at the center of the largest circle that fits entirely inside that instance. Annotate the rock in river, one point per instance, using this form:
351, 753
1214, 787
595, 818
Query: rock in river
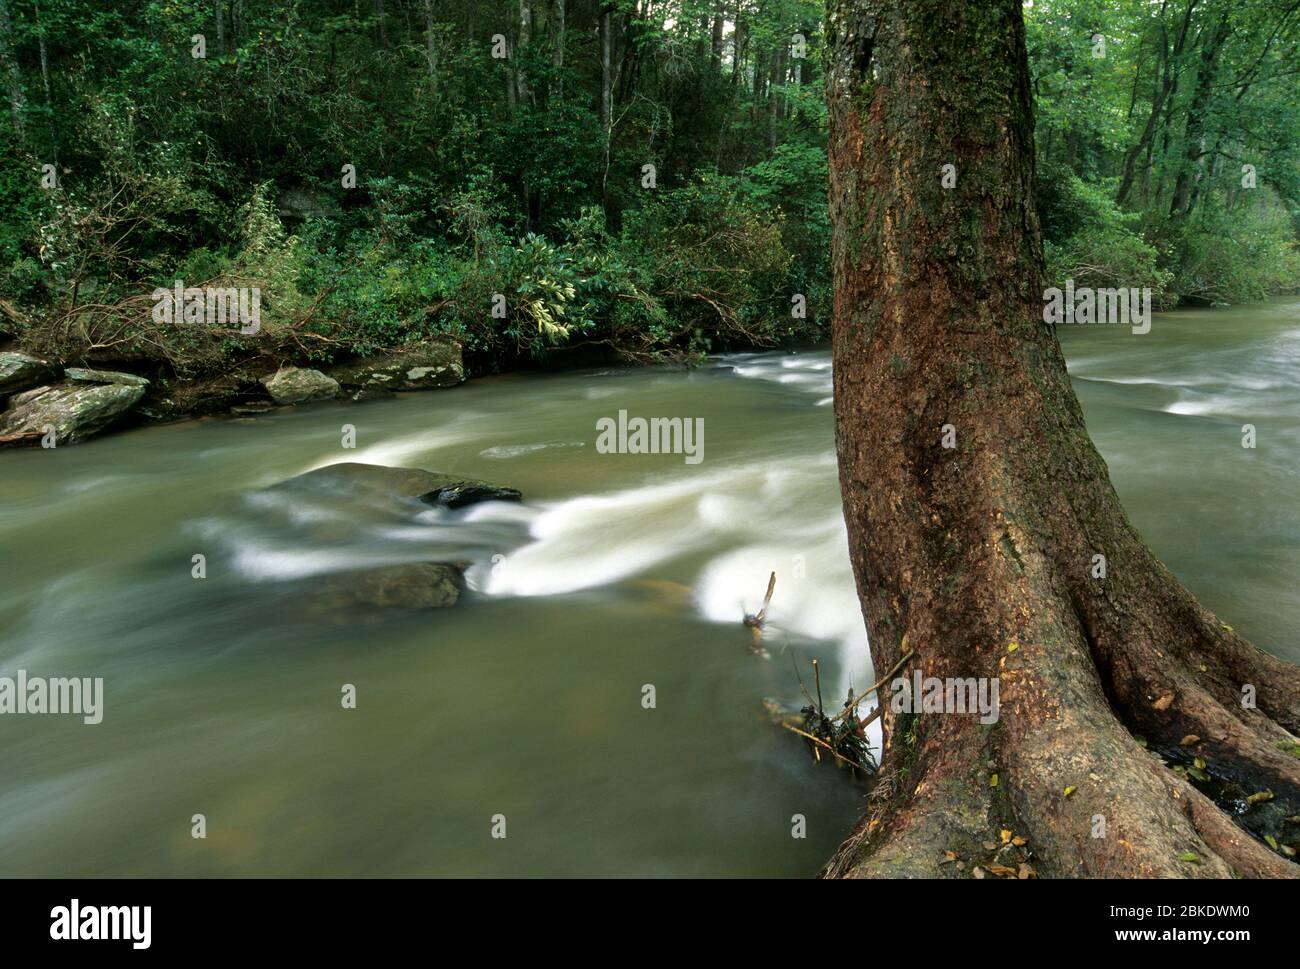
449, 490
360, 489
420, 585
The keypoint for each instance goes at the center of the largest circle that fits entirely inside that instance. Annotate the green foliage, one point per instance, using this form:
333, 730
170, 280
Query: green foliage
480, 177
1234, 257
1088, 239
1144, 140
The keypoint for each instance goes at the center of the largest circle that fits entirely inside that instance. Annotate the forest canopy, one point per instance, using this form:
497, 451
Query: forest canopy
644, 176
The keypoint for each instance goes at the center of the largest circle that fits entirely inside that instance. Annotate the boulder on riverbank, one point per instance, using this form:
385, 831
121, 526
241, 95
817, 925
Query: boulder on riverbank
299, 385
20, 372
73, 411
422, 366
83, 375
448, 490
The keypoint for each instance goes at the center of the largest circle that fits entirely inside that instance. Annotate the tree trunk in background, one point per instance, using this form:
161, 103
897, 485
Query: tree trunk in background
1189, 172
959, 553
1159, 100
431, 46
715, 41
774, 96
606, 106
525, 38
605, 76
739, 43
9, 64
557, 44
45, 83
219, 10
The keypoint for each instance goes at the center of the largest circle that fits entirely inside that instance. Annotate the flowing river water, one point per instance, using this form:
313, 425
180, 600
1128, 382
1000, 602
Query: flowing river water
222, 696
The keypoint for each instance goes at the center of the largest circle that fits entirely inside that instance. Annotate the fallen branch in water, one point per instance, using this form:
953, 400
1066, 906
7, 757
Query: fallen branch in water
757, 620
843, 736
852, 702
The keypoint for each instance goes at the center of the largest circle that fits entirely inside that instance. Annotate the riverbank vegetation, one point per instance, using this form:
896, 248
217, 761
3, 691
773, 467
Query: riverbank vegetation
531, 177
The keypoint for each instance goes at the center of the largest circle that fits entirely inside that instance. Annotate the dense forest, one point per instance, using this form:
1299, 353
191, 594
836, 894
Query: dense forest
533, 177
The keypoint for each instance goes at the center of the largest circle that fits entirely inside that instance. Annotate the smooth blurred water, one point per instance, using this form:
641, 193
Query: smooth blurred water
618, 571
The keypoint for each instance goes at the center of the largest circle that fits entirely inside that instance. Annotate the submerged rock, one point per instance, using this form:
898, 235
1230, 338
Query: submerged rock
299, 385
423, 366
421, 585
19, 372
75, 411
449, 490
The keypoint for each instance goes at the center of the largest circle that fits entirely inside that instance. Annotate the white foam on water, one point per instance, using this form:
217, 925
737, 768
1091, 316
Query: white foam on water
507, 451
597, 540
256, 560
1223, 403
804, 371
407, 451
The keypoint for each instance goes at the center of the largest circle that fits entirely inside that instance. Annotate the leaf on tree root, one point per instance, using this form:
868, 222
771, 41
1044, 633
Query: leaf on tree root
1019, 842
1006, 836
1259, 797
1272, 841
1165, 702
1190, 739
1199, 763
993, 781
1026, 871
1012, 647
1070, 790
1191, 857
977, 871
1003, 870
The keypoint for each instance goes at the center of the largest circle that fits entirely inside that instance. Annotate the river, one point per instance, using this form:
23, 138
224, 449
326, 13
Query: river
618, 573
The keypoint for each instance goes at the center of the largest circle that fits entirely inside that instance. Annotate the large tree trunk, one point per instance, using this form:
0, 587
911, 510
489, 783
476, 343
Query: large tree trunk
960, 552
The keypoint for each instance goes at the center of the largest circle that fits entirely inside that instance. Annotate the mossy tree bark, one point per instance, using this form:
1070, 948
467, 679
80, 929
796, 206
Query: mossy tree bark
960, 552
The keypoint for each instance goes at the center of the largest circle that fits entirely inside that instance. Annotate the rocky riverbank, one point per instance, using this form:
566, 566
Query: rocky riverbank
49, 403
